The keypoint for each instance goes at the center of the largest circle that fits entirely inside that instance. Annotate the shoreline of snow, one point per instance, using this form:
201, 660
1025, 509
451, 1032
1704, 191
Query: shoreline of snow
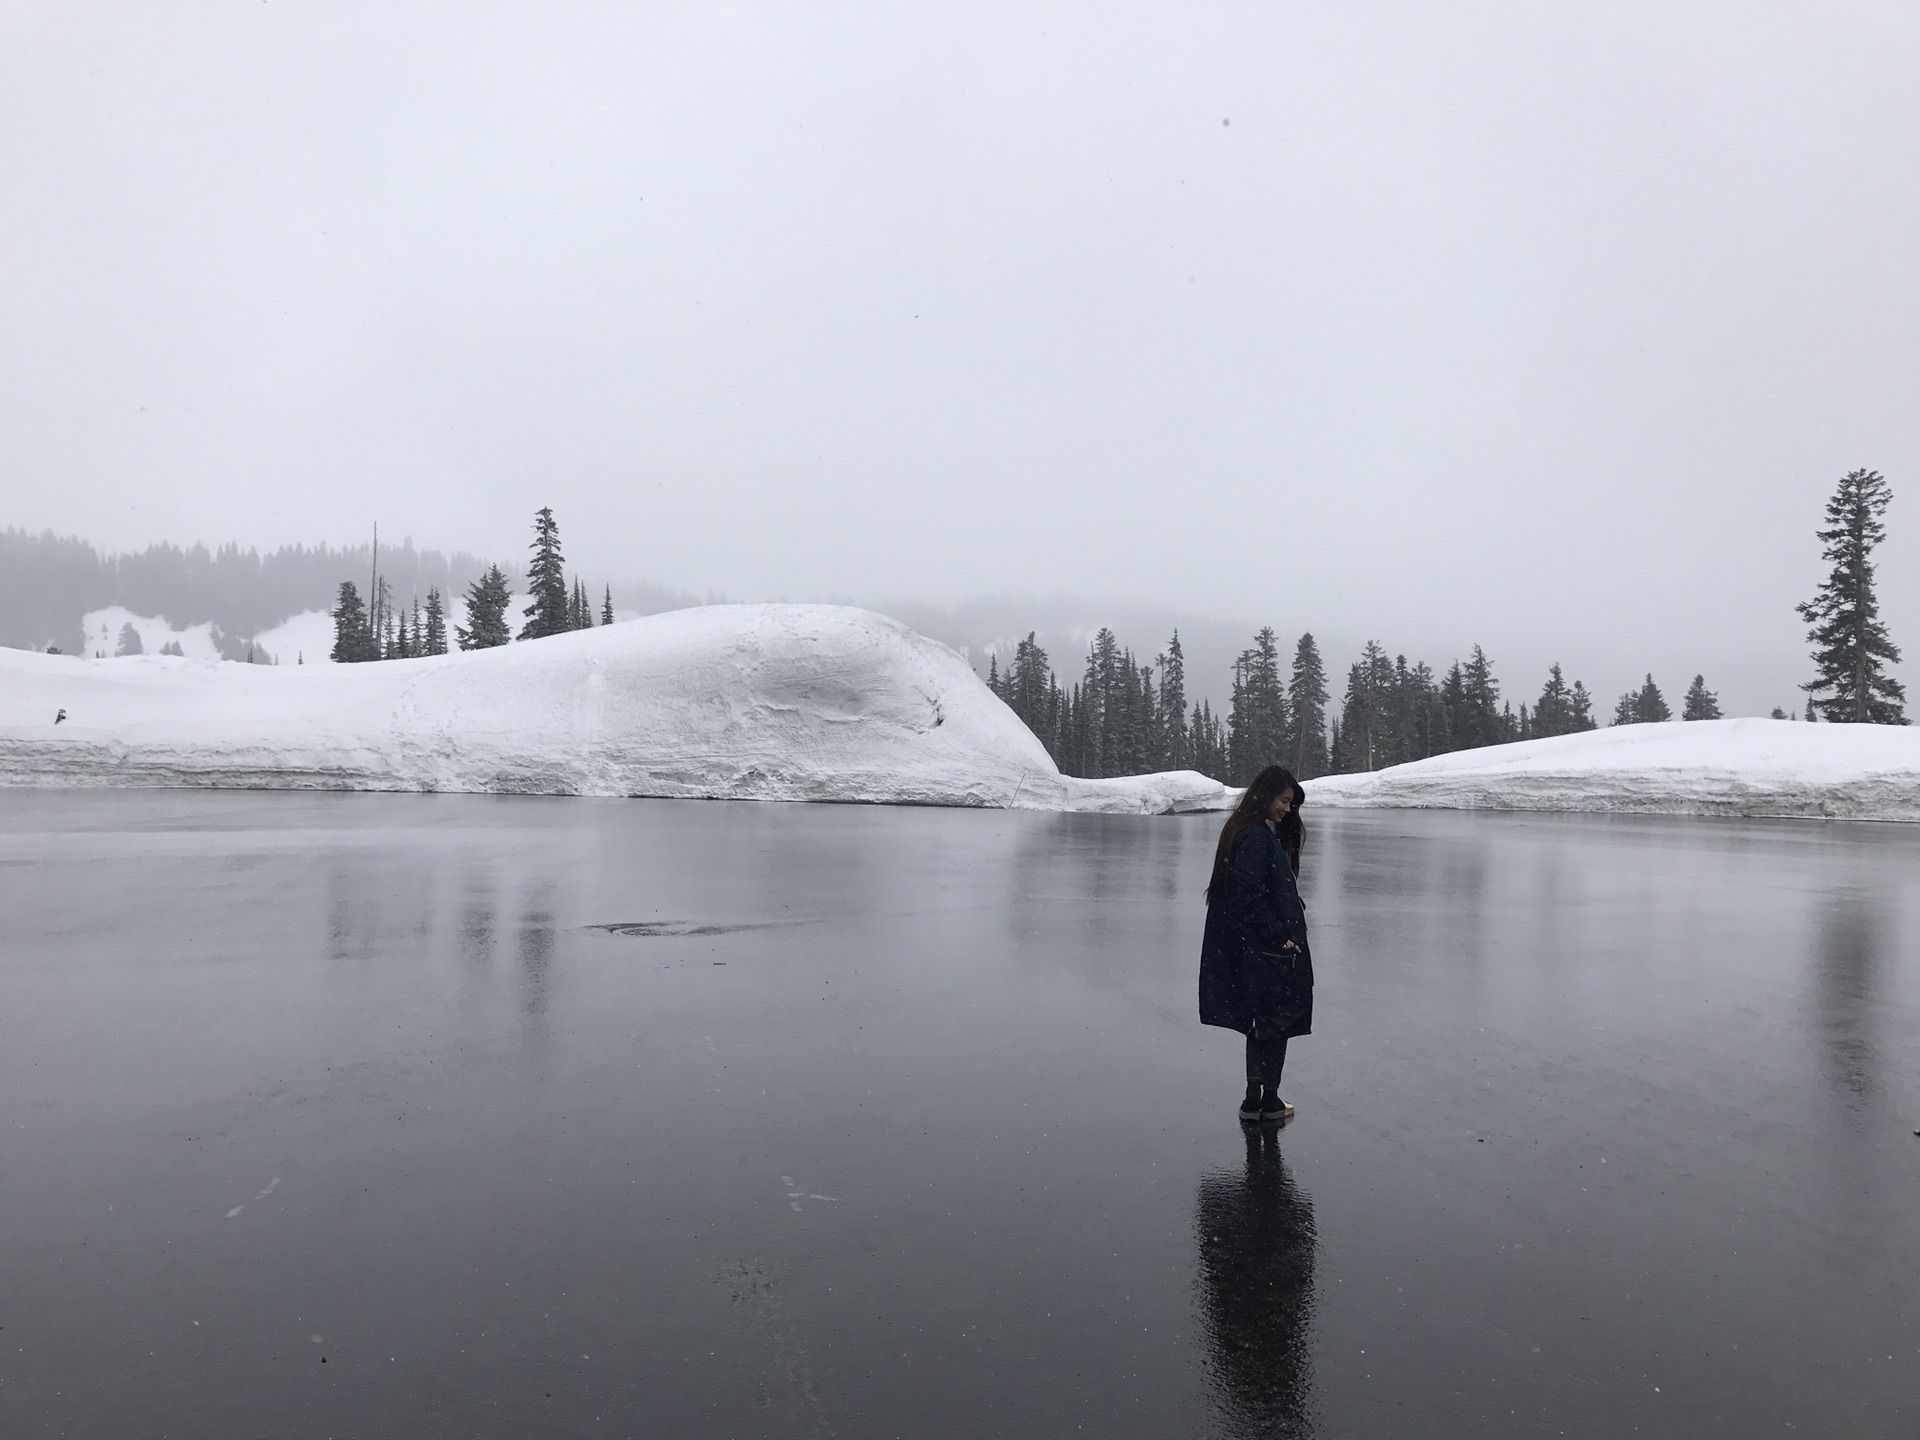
1746, 768
762, 702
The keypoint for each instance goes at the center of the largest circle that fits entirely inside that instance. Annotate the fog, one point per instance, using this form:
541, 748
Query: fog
1542, 329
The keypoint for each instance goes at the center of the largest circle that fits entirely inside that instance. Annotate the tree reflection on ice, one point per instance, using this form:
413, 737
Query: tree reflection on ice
1255, 1237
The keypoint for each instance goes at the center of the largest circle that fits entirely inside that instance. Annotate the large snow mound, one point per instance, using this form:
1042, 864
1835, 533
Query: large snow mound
1699, 767
763, 702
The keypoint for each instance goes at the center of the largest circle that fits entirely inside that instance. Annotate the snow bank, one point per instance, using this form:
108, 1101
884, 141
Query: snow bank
764, 702
1701, 767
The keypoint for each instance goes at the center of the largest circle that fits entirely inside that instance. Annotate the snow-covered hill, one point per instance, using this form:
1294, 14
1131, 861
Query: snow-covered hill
1703, 767
768, 702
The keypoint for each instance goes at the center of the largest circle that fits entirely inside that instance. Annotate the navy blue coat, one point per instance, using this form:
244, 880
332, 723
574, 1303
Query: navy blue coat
1247, 981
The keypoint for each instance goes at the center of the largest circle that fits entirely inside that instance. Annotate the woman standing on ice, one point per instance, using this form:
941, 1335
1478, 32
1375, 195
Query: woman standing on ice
1255, 973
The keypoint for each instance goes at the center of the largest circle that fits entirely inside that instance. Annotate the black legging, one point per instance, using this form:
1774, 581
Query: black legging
1266, 1059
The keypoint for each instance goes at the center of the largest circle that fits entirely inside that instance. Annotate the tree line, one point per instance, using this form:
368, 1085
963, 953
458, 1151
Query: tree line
1125, 717
382, 632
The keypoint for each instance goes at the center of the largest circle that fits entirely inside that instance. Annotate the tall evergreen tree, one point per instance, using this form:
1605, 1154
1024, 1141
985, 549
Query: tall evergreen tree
385, 640
1099, 706
606, 607
1580, 710
1456, 708
486, 623
1479, 720
129, 642
1651, 705
1175, 747
1851, 645
1702, 703
1366, 731
1209, 740
1425, 725
1551, 711
1306, 740
352, 632
1028, 685
548, 614
436, 638
1257, 722
1645, 706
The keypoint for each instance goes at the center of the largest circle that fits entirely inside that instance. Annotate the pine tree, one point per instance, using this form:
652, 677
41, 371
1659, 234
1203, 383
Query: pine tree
1098, 704
1580, 710
1367, 741
1551, 711
436, 624
1306, 740
1851, 645
385, 641
546, 582
436, 639
352, 633
993, 674
1209, 741
130, 643
1650, 706
487, 601
1028, 685
1777, 714
606, 607
1426, 723
1626, 710
1257, 722
1480, 721
1702, 703
1175, 745
1454, 708
1810, 715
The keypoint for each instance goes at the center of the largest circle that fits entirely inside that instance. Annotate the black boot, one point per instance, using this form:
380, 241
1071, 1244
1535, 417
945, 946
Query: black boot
1250, 1107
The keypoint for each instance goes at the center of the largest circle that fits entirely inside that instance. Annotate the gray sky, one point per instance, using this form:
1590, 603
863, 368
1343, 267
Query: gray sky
1545, 327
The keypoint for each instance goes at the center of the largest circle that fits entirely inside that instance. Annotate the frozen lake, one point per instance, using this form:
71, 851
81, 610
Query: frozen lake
342, 1114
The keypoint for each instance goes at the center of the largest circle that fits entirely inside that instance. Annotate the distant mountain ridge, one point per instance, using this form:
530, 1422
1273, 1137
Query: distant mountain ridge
48, 582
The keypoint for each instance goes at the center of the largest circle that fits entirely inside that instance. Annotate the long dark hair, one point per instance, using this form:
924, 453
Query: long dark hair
1252, 810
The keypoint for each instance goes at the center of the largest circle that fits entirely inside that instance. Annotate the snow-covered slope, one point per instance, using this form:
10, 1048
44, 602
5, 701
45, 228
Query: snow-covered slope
1702, 767
770, 702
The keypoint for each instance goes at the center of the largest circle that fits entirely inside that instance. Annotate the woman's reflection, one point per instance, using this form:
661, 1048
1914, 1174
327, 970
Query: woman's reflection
1255, 1237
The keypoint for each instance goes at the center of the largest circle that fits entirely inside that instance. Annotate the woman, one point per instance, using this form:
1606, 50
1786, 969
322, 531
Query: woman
1255, 973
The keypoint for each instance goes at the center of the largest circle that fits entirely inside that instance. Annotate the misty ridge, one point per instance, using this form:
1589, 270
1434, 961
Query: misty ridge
48, 582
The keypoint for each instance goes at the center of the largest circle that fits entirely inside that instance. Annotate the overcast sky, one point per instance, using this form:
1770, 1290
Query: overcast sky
1547, 327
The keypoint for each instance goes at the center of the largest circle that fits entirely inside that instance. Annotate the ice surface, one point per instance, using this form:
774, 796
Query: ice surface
765, 702
1700, 767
